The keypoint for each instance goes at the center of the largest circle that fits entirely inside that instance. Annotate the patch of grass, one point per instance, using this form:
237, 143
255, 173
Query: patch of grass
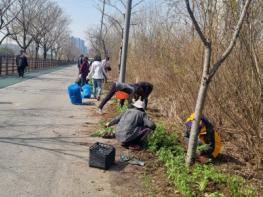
147, 184
102, 131
122, 108
215, 194
192, 182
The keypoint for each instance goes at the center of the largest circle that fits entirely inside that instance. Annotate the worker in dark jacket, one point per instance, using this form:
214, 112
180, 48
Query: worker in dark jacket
209, 142
133, 126
141, 89
21, 63
80, 60
84, 71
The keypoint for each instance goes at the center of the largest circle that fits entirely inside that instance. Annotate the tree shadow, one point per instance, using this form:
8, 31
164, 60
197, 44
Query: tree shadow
28, 142
224, 158
6, 102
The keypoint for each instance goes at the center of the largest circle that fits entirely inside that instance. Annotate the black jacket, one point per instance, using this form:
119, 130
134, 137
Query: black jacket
209, 139
21, 61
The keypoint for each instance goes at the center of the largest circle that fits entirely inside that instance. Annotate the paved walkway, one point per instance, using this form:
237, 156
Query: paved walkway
13, 79
43, 143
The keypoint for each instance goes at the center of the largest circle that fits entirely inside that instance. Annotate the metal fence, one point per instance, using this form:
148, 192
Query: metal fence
8, 64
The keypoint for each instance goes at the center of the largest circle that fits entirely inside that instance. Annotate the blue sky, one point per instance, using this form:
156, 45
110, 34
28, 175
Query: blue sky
83, 14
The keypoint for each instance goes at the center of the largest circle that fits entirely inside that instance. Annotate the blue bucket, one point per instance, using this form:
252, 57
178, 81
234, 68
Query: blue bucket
86, 91
74, 92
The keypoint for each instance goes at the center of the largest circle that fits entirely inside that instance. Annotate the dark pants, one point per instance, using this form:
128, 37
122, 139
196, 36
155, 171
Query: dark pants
140, 137
83, 80
147, 91
112, 91
20, 71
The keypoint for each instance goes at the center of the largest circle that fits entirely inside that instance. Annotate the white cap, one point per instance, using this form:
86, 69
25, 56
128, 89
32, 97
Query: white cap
139, 104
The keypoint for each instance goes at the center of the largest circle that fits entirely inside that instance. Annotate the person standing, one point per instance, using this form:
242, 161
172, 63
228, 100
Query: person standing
98, 74
84, 71
21, 63
80, 60
106, 64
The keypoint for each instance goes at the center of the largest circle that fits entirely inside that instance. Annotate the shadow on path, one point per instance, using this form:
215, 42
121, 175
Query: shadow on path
50, 141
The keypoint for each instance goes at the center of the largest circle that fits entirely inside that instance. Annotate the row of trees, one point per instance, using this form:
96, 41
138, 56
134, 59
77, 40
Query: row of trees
166, 50
37, 25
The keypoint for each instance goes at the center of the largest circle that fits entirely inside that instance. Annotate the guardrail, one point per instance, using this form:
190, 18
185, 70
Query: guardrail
8, 64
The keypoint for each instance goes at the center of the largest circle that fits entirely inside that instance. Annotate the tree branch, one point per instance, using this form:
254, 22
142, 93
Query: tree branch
197, 27
112, 18
232, 43
3, 38
115, 7
136, 4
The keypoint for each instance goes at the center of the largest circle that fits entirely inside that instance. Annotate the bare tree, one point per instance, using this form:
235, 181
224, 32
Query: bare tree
209, 71
59, 44
41, 24
114, 20
54, 28
21, 26
6, 17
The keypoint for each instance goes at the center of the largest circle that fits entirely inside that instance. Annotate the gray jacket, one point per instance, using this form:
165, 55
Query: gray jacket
130, 123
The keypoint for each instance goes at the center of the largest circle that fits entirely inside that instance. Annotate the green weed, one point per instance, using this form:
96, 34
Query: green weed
215, 194
122, 108
103, 132
195, 181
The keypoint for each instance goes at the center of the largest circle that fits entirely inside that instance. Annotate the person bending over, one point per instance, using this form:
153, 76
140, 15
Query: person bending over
133, 126
140, 89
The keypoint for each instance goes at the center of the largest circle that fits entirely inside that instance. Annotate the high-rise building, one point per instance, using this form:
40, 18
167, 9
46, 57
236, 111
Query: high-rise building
80, 44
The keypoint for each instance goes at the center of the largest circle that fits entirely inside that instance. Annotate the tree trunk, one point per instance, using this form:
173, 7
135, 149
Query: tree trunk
45, 51
24, 42
199, 108
104, 49
37, 49
51, 54
101, 27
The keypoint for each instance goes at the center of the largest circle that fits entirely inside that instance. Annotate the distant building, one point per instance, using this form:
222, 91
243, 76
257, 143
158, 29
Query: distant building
80, 44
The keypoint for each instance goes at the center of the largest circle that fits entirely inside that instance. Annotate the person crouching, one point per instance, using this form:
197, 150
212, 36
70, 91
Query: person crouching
209, 141
133, 126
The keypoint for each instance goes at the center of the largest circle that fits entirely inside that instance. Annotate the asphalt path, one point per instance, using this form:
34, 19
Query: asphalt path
7, 80
43, 143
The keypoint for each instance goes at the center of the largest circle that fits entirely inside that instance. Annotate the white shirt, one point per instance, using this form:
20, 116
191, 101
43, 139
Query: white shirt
97, 71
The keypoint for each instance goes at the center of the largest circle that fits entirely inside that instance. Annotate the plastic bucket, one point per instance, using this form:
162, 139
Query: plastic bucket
74, 92
86, 91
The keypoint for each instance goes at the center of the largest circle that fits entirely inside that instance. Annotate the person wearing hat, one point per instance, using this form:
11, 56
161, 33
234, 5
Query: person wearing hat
133, 126
209, 141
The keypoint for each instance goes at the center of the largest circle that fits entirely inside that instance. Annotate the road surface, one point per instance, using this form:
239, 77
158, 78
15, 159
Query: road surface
43, 143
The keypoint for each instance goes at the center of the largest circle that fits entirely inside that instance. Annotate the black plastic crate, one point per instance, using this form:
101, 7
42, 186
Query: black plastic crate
101, 155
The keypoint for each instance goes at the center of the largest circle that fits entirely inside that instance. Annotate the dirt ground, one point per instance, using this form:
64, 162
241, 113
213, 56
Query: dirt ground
151, 179
132, 180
